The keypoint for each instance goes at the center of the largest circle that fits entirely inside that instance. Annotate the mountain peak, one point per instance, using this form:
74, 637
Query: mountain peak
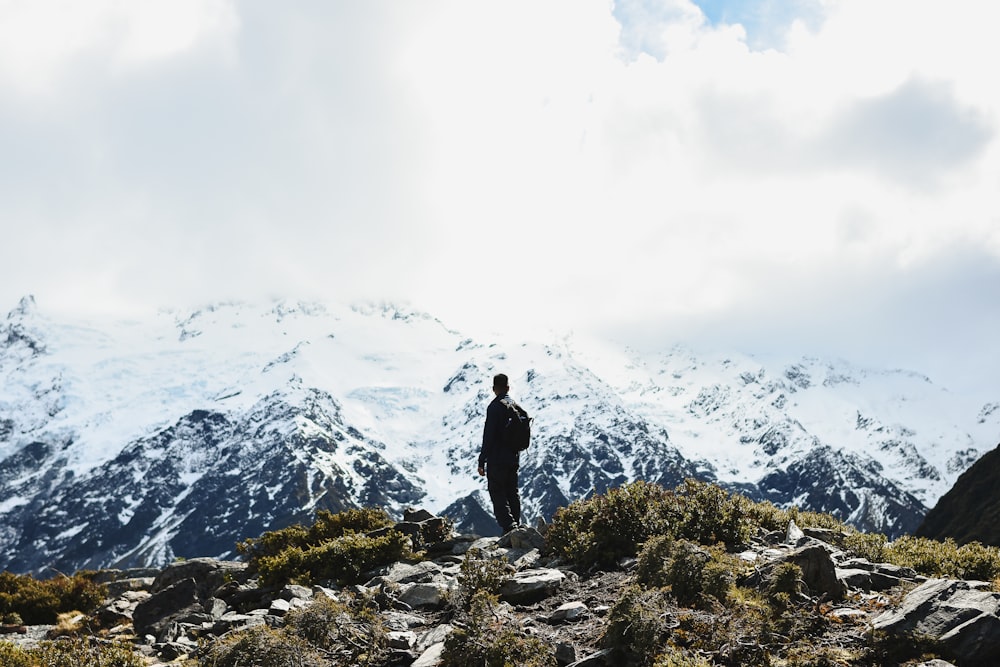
331, 406
25, 307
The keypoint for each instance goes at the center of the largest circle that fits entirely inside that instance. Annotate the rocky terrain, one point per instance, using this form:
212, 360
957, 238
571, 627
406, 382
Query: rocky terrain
173, 615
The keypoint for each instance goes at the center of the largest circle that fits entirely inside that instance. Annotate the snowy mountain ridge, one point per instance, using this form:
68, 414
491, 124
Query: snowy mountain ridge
128, 442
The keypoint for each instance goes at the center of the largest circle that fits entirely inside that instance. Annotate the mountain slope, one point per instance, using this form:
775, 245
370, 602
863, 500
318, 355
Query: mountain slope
970, 511
129, 442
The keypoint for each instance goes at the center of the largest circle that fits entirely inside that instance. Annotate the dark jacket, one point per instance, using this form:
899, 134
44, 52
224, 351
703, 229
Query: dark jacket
495, 453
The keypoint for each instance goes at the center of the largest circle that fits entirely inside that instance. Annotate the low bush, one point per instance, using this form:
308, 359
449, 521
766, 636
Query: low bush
479, 573
40, 601
603, 529
690, 571
14, 656
945, 559
640, 624
353, 633
679, 658
327, 526
820, 656
337, 546
261, 646
71, 653
709, 514
484, 639
344, 559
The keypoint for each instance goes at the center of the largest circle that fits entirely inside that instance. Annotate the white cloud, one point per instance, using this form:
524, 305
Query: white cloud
634, 163
43, 42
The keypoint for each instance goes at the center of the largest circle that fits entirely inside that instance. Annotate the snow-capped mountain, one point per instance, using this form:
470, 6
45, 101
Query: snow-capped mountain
134, 442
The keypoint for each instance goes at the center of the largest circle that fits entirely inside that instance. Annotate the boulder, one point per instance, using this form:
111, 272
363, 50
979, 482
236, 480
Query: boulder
209, 574
568, 612
431, 594
531, 586
416, 515
961, 615
405, 573
154, 614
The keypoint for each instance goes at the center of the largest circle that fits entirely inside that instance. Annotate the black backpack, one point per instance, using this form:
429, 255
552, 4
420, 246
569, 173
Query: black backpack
517, 430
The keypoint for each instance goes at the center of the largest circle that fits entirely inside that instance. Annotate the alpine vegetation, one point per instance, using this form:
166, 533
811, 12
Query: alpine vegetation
639, 576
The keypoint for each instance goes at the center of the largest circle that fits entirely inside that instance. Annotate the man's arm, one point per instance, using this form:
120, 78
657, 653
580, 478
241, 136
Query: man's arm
491, 431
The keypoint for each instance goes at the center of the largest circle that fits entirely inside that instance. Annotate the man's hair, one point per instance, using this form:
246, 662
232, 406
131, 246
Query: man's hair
500, 381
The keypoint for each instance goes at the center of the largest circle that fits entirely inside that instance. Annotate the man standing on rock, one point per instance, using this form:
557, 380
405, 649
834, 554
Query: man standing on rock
498, 460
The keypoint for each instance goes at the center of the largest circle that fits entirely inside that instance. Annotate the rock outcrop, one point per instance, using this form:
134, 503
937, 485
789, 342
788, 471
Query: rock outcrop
190, 604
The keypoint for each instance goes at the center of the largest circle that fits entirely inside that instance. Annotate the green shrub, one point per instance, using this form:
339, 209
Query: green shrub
709, 515
40, 601
695, 572
262, 646
14, 656
353, 631
873, 547
785, 586
678, 658
639, 623
976, 561
603, 529
484, 640
928, 557
648, 629
820, 656
654, 558
77, 651
738, 634
328, 526
343, 558
479, 572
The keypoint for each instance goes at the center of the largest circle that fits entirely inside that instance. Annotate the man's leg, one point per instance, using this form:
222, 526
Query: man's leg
513, 497
496, 484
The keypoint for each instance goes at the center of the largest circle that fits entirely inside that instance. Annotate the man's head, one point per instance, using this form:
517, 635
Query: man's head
500, 385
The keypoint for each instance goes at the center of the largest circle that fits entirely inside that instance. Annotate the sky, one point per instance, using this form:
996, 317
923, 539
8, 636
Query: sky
773, 176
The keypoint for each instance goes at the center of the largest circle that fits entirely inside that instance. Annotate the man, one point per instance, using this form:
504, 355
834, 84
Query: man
498, 461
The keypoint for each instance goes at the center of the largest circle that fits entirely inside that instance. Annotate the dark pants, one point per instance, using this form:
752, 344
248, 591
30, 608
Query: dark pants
502, 485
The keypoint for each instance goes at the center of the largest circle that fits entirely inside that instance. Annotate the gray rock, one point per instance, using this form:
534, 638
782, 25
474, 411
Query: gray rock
279, 607
528, 561
153, 615
565, 653
417, 515
435, 635
324, 592
959, 614
568, 612
234, 621
120, 609
209, 573
215, 608
120, 586
531, 586
431, 657
794, 533
525, 538
405, 573
818, 571
404, 640
292, 591
426, 595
